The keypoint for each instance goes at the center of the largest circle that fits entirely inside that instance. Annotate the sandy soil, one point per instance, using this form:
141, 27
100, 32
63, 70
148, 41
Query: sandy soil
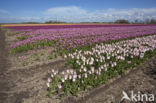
4, 65
28, 85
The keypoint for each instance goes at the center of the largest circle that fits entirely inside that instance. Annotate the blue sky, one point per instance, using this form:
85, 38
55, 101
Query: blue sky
76, 10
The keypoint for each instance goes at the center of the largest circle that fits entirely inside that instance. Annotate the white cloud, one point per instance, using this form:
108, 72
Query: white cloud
68, 10
78, 14
74, 13
130, 14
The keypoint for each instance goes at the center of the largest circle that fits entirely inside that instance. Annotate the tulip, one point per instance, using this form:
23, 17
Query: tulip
86, 75
48, 85
49, 80
59, 86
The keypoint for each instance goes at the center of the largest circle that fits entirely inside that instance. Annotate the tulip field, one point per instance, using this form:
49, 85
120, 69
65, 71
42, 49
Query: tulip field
76, 37
92, 54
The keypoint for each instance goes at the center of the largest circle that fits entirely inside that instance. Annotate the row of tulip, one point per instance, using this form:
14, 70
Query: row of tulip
96, 65
77, 37
63, 26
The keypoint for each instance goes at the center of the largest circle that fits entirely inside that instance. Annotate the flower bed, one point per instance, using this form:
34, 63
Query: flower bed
96, 65
72, 38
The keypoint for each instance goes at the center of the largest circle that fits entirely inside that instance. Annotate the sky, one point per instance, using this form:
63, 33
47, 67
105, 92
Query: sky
13, 11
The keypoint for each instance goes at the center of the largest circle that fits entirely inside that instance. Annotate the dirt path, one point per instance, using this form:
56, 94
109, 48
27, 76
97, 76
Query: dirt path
4, 65
23, 85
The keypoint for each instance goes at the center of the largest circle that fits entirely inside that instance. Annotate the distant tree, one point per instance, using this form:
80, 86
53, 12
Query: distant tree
96, 22
152, 21
122, 21
147, 21
138, 22
53, 22
85, 22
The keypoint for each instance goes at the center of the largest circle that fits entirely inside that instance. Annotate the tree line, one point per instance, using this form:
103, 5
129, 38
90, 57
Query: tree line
119, 21
147, 21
